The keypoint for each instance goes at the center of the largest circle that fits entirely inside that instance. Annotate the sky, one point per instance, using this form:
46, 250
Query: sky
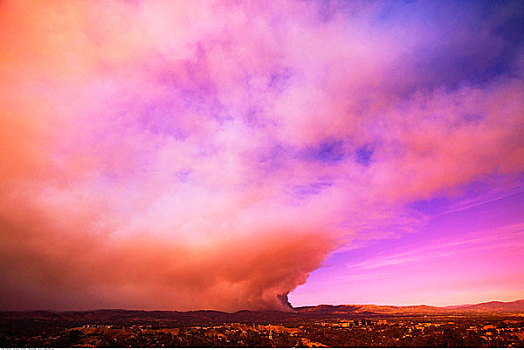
220, 154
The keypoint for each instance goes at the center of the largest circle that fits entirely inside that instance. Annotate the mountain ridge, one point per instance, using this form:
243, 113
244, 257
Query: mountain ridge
507, 306
302, 313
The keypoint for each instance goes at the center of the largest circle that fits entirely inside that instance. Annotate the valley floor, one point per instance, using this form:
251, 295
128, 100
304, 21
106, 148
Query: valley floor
430, 331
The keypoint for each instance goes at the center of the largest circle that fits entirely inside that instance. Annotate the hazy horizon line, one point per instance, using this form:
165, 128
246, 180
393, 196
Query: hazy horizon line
258, 310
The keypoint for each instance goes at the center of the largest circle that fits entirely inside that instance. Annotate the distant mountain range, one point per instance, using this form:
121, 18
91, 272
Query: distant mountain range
305, 313
492, 307
516, 306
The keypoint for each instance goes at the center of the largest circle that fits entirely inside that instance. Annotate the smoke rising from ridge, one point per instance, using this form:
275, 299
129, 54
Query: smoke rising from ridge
211, 155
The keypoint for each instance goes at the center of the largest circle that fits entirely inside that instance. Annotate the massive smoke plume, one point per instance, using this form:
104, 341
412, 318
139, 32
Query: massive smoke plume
191, 155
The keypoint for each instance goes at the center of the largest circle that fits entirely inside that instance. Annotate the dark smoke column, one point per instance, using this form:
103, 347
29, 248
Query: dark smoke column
285, 302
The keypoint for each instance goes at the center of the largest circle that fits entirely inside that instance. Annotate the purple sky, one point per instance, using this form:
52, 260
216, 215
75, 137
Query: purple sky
466, 250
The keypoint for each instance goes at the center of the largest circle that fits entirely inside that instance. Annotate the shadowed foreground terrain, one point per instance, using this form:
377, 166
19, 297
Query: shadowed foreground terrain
493, 324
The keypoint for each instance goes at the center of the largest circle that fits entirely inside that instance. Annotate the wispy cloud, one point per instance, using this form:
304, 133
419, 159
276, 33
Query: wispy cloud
488, 240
